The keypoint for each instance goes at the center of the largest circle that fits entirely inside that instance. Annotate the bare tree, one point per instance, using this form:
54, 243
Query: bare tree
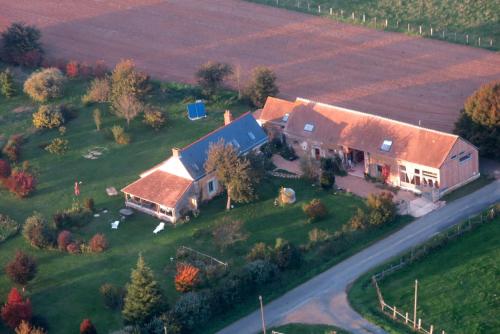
128, 107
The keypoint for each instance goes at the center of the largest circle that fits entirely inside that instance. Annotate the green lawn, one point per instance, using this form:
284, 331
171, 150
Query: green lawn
469, 188
479, 18
308, 329
458, 287
66, 287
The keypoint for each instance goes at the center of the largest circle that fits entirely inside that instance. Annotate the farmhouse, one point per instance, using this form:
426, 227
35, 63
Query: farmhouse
176, 186
404, 155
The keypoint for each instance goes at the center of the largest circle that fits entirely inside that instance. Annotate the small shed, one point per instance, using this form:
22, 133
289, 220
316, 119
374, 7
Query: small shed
196, 110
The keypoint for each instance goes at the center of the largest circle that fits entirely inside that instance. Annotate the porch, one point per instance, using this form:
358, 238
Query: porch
150, 208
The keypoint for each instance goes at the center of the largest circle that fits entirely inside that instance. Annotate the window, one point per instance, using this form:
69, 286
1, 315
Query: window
403, 177
461, 153
465, 158
211, 186
251, 135
386, 145
401, 167
285, 117
308, 127
453, 157
417, 171
429, 174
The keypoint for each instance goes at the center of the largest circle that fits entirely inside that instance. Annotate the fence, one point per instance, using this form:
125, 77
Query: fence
205, 256
441, 33
416, 254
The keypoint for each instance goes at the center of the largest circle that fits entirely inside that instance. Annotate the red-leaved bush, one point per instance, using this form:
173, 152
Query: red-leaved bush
187, 277
4, 169
87, 327
21, 183
73, 248
98, 243
16, 309
72, 69
86, 70
64, 239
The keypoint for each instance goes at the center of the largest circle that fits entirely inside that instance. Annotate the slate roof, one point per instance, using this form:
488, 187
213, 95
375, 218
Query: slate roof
365, 132
159, 187
244, 133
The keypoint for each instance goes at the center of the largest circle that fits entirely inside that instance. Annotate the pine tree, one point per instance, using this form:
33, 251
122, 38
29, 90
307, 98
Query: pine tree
143, 297
7, 86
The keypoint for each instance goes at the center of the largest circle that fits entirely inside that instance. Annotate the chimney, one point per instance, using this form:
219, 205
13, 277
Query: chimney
228, 117
176, 152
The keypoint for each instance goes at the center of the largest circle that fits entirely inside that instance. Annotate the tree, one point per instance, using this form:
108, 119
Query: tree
154, 118
479, 121
112, 295
87, 327
99, 91
227, 232
187, 277
37, 232
63, 240
211, 76
21, 45
261, 86
232, 172
315, 210
72, 69
16, 309
143, 297
126, 80
7, 85
98, 243
5, 169
21, 183
259, 251
22, 268
48, 116
45, 84
381, 208
286, 255
97, 119
128, 107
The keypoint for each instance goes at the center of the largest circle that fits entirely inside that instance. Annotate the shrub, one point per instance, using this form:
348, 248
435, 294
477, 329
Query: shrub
187, 277
26, 328
315, 210
112, 295
12, 149
85, 70
72, 69
98, 243
308, 168
5, 169
327, 180
316, 235
262, 85
154, 118
21, 269
74, 216
120, 136
261, 271
286, 255
21, 183
98, 92
97, 119
16, 309
21, 45
358, 221
64, 239
8, 227
126, 80
58, 146
48, 116
87, 327
37, 232
7, 85
193, 309
128, 107
100, 69
73, 248
259, 251
227, 232
88, 203
44, 85
211, 76
382, 209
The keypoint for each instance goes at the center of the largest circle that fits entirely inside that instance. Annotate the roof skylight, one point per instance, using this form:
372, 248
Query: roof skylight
386, 145
285, 117
235, 143
251, 135
308, 127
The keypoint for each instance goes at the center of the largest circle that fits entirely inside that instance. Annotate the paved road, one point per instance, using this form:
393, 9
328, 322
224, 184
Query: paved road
323, 299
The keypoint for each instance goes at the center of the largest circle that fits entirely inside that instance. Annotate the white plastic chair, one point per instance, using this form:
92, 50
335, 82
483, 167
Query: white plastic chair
159, 228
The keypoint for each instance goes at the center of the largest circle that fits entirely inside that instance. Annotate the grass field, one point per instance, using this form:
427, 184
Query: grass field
476, 18
308, 329
458, 287
66, 287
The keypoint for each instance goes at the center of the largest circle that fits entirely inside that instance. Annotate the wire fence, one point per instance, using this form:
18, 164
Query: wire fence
384, 23
418, 253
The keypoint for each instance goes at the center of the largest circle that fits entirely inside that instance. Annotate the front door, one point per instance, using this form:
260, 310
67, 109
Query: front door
317, 153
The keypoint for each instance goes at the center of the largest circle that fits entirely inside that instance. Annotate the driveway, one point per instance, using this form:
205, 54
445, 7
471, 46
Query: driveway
323, 299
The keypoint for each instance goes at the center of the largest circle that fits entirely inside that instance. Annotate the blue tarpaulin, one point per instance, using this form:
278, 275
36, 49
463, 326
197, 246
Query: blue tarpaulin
196, 110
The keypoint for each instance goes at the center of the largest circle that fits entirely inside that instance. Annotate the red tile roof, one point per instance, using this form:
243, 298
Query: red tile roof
159, 187
366, 132
275, 109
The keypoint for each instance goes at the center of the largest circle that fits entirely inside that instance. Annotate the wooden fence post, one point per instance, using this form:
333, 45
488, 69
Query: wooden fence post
479, 43
319, 9
406, 318
408, 27
431, 31
353, 16
420, 29
394, 312
431, 330
419, 323
341, 13
386, 23
467, 39
443, 34
364, 18
331, 11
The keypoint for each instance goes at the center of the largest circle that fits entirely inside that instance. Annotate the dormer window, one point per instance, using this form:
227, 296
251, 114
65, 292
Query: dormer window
386, 145
309, 127
285, 118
